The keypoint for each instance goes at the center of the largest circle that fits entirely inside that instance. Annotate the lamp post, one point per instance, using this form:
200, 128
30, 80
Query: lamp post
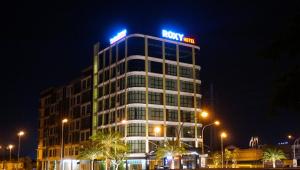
297, 141
10, 147
62, 142
223, 135
20, 134
202, 133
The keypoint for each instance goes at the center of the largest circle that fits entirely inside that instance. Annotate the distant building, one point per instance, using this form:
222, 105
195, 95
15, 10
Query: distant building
141, 86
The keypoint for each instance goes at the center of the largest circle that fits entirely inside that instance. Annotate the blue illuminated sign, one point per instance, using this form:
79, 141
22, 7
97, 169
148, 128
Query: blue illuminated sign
119, 36
177, 36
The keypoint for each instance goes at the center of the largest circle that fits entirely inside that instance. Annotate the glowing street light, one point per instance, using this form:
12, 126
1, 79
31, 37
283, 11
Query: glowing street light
222, 135
204, 114
217, 123
290, 137
10, 147
20, 134
156, 130
65, 120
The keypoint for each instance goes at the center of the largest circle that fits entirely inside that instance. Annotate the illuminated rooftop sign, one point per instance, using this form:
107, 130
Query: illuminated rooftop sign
119, 36
177, 36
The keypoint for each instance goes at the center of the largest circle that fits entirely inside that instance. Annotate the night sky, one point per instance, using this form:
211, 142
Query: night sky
46, 44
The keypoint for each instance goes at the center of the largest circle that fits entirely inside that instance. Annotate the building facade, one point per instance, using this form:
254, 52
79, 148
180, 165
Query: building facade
72, 101
147, 88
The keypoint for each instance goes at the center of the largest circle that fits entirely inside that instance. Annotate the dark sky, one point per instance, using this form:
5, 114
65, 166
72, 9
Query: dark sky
47, 43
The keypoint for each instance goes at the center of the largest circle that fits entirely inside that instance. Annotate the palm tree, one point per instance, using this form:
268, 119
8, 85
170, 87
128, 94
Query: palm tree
273, 154
105, 146
216, 157
90, 151
170, 149
235, 154
110, 143
228, 156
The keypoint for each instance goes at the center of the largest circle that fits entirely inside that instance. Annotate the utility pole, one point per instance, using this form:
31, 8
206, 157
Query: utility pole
212, 110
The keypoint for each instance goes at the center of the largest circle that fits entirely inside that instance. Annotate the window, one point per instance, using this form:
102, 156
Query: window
171, 84
186, 101
136, 81
113, 54
170, 51
121, 50
185, 72
136, 146
135, 46
136, 113
154, 48
155, 82
187, 116
152, 131
172, 115
136, 129
171, 69
188, 132
155, 98
171, 99
171, 131
156, 114
136, 97
185, 54
101, 61
155, 67
186, 86
136, 65
106, 58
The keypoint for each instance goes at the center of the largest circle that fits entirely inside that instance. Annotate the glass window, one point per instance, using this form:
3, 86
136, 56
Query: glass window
186, 101
153, 132
136, 146
188, 132
172, 115
185, 54
136, 113
155, 82
185, 72
121, 50
155, 67
171, 131
135, 46
186, 86
171, 99
155, 48
106, 58
101, 61
171, 84
136, 65
113, 54
120, 114
136, 81
136, 129
187, 116
100, 120
156, 114
136, 97
155, 98
170, 51
171, 69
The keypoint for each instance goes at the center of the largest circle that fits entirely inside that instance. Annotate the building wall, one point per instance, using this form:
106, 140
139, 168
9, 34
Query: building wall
146, 83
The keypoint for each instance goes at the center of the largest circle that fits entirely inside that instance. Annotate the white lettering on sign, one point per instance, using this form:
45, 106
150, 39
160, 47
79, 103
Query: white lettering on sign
172, 35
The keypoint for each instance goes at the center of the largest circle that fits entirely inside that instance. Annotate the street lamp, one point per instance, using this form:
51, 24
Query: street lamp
20, 134
204, 114
10, 147
217, 123
223, 135
62, 141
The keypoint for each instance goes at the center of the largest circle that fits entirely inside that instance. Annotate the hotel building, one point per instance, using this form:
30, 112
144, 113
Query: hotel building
142, 86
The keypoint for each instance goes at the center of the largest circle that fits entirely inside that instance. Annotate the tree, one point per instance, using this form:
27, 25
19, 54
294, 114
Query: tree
89, 150
170, 149
104, 146
273, 154
228, 156
235, 154
216, 157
